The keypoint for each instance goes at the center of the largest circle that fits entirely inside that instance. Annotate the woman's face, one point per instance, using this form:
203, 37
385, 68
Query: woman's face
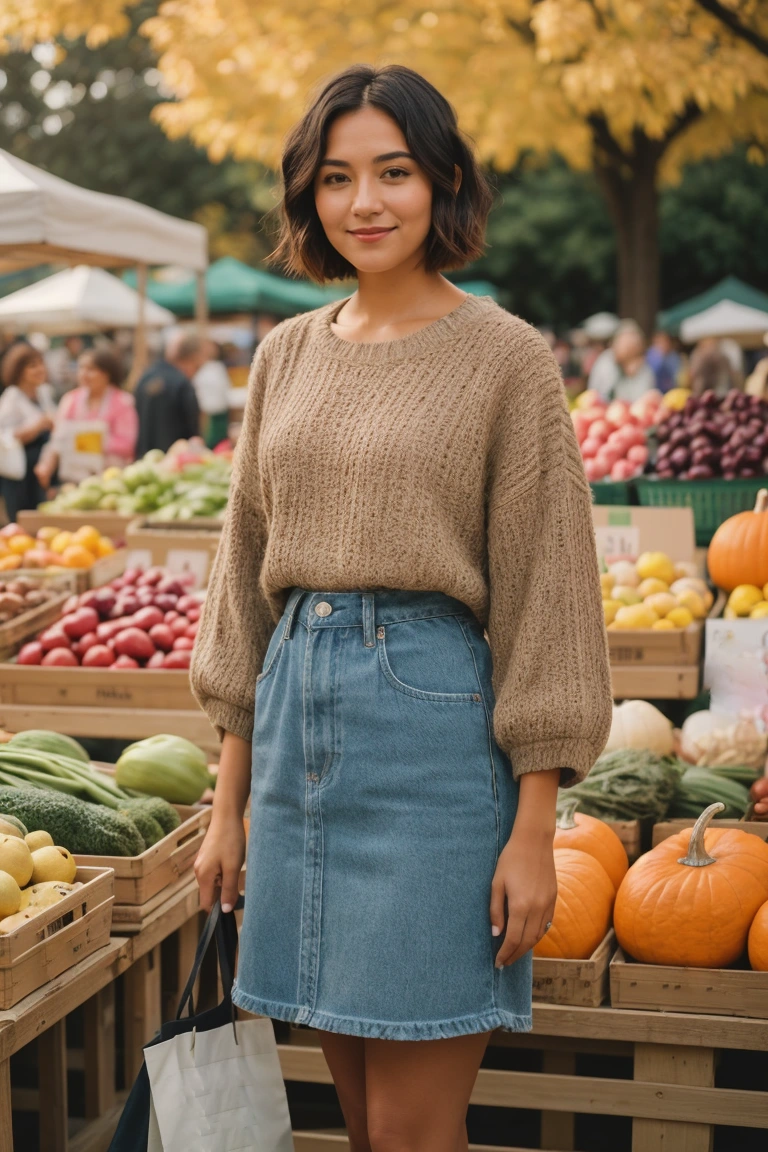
33, 376
91, 377
373, 199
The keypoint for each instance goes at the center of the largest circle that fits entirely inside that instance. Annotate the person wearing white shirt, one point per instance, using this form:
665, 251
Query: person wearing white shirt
212, 385
26, 410
621, 372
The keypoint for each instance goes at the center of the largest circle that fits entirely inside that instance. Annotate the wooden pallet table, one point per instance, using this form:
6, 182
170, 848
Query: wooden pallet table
672, 1099
108, 723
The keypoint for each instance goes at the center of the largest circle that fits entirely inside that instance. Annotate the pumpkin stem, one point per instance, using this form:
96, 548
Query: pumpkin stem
697, 855
566, 819
761, 504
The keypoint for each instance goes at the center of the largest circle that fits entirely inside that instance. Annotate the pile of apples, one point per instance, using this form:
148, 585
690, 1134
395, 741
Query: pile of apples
612, 437
140, 620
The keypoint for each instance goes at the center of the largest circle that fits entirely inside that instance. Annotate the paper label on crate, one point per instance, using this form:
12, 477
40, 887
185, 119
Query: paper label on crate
138, 558
617, 541
189, 560
736, 666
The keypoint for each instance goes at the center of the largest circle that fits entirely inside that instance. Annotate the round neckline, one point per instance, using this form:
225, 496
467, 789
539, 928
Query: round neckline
421, 342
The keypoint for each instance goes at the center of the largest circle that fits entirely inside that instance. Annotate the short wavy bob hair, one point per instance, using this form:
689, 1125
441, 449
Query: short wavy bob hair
429, 125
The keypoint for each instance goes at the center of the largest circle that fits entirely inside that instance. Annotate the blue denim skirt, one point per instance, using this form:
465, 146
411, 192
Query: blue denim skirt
380, 802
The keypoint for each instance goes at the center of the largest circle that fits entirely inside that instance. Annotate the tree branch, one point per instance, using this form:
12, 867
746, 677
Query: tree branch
691, 114
731, 21
602, 137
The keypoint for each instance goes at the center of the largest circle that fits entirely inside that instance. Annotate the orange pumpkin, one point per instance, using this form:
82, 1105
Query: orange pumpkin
680, 905
757, 942
585, 896
738, 551
588, 834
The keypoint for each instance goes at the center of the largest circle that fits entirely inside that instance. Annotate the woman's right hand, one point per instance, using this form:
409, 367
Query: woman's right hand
220, 861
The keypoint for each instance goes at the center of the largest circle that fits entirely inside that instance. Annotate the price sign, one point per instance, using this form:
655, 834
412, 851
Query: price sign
193, 560
138, 558
617, 541
736, 666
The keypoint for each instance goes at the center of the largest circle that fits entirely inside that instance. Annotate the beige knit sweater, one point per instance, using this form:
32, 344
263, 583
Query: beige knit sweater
445, 461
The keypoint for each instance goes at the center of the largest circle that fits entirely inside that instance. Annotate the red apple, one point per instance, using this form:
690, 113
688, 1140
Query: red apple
590, 448
146, 618
100, 656
134, 642
179, 658
162, 637
80, 622
600, 430
125, 662
31, 653
156, 661
183, 644
60, 658
54, 637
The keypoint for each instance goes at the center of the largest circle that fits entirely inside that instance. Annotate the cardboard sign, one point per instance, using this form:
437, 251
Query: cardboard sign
736, 666
624, 532
80, 444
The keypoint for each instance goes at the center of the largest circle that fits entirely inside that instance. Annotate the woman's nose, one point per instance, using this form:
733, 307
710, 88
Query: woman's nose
366, 200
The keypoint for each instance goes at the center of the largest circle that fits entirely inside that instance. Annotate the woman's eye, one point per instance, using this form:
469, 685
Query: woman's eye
334, 178
396, 172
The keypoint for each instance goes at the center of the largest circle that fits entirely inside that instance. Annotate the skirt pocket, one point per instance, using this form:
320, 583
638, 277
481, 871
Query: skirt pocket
429, 659
274, 648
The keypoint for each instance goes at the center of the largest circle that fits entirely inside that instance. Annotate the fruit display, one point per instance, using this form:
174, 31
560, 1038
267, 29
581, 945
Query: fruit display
142, 619
186, 482
35, 873
714, 436
653, 592
692, 899
22, 595
612, 437
52, 548
737, 557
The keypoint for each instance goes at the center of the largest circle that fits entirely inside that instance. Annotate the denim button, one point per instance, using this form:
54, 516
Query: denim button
323, 608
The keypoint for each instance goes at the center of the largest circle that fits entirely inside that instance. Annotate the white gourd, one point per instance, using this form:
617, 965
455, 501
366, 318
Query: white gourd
719, 739
637, 724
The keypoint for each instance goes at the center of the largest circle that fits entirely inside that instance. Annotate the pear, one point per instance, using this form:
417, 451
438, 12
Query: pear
8, 829
11, 923
16, 859
52, 863
10, 895
35, 840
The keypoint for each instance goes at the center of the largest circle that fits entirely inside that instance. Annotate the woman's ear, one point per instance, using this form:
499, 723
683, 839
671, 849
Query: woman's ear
457, 178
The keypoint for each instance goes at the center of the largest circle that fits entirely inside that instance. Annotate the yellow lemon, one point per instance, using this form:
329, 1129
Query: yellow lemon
694, 584
663, 626
650, 586
105, 547
61, 541
744, 597
680, 617
607, 581
633, 616
47, 534
693, 602
661, 602
88, 537
18, 545
760, 611
729, 614
655, 564
610, 608
626, 594
624, 573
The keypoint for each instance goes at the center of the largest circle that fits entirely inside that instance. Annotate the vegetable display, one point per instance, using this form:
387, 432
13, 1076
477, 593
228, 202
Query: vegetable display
21, 595
691, 900
757, 941
653, 592
714, 436
612, 436
638, 724
139, 620
52, 548
188, 481
166, 766
586, 834
711, 739
629, 784
698, 787
585, 896
88, 829
738, 551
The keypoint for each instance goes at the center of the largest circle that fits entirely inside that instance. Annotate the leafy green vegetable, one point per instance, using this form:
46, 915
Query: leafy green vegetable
629, 784
700, 787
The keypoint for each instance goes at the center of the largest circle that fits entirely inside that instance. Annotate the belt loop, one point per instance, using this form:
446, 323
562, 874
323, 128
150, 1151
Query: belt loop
368, 620
295, 598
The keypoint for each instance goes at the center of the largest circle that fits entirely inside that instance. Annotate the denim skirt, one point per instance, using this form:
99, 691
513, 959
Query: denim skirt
380, 802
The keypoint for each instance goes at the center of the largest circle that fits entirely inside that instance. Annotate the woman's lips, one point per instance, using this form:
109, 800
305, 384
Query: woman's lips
370, 237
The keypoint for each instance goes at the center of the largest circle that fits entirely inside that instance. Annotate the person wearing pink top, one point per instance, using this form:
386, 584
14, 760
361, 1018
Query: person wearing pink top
98, 397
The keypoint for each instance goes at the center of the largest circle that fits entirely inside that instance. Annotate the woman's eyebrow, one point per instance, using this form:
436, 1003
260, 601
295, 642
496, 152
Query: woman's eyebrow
376, 159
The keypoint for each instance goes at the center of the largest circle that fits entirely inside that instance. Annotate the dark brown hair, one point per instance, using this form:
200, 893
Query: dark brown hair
108, 362
429, 125
16, 361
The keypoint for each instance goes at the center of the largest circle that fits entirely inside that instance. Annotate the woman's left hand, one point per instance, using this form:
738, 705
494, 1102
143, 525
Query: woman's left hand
525, 877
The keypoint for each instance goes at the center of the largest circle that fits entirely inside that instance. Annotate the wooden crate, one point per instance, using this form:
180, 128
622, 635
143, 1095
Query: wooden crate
655, 681
128, 919
643, 646
81, 579
140, 878
96, 687
107, 523
671, 827
27, 625
669, 988
179, 545
629, 832
579, 982
57, 937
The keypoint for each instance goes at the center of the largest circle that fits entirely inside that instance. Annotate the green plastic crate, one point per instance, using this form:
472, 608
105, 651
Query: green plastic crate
612, 491
712, 501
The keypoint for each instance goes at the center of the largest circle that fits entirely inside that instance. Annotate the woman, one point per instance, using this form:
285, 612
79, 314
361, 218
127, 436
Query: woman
98, 397
26, 410
407, 476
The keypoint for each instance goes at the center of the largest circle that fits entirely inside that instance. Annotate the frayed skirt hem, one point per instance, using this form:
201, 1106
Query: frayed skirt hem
383, 1029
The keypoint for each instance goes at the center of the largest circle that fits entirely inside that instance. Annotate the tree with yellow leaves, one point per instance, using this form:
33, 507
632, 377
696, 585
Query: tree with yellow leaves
631, 88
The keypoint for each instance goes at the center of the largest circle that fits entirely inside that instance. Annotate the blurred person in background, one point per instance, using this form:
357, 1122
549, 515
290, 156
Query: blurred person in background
27, 410
99, 396
664, 360
62, 365
621, 372
212, 385
166, 401
710, 369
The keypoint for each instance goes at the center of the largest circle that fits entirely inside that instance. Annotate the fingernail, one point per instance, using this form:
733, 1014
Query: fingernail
499, 965
226, 907
495, 930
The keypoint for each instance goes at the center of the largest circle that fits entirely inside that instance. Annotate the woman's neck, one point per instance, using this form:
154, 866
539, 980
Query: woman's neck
394, 300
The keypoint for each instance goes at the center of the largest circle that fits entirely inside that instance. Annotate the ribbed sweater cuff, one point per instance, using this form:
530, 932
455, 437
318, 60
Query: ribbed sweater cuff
227, 717
574, 757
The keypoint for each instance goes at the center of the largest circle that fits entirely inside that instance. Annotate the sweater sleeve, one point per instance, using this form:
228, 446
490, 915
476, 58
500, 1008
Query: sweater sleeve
546, 628
236, 623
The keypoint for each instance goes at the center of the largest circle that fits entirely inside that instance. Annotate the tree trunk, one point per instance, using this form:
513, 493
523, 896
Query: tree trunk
628, 183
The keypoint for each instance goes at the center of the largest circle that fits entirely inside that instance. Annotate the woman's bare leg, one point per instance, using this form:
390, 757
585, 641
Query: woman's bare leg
345, 1056
417, 1092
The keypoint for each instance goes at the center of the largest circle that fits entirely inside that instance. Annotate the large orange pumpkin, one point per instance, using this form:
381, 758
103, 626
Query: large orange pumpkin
738, 551
585, 896
680, 905
757, 943
588, 834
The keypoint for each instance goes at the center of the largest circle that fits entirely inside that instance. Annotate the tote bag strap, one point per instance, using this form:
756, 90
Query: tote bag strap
222, 927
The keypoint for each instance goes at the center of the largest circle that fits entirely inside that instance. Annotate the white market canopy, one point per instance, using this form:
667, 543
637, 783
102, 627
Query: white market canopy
726, 318
46, 220
76, 301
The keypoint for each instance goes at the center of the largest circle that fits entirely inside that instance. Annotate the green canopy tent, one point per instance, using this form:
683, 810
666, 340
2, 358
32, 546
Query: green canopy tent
232, 286
731, 288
